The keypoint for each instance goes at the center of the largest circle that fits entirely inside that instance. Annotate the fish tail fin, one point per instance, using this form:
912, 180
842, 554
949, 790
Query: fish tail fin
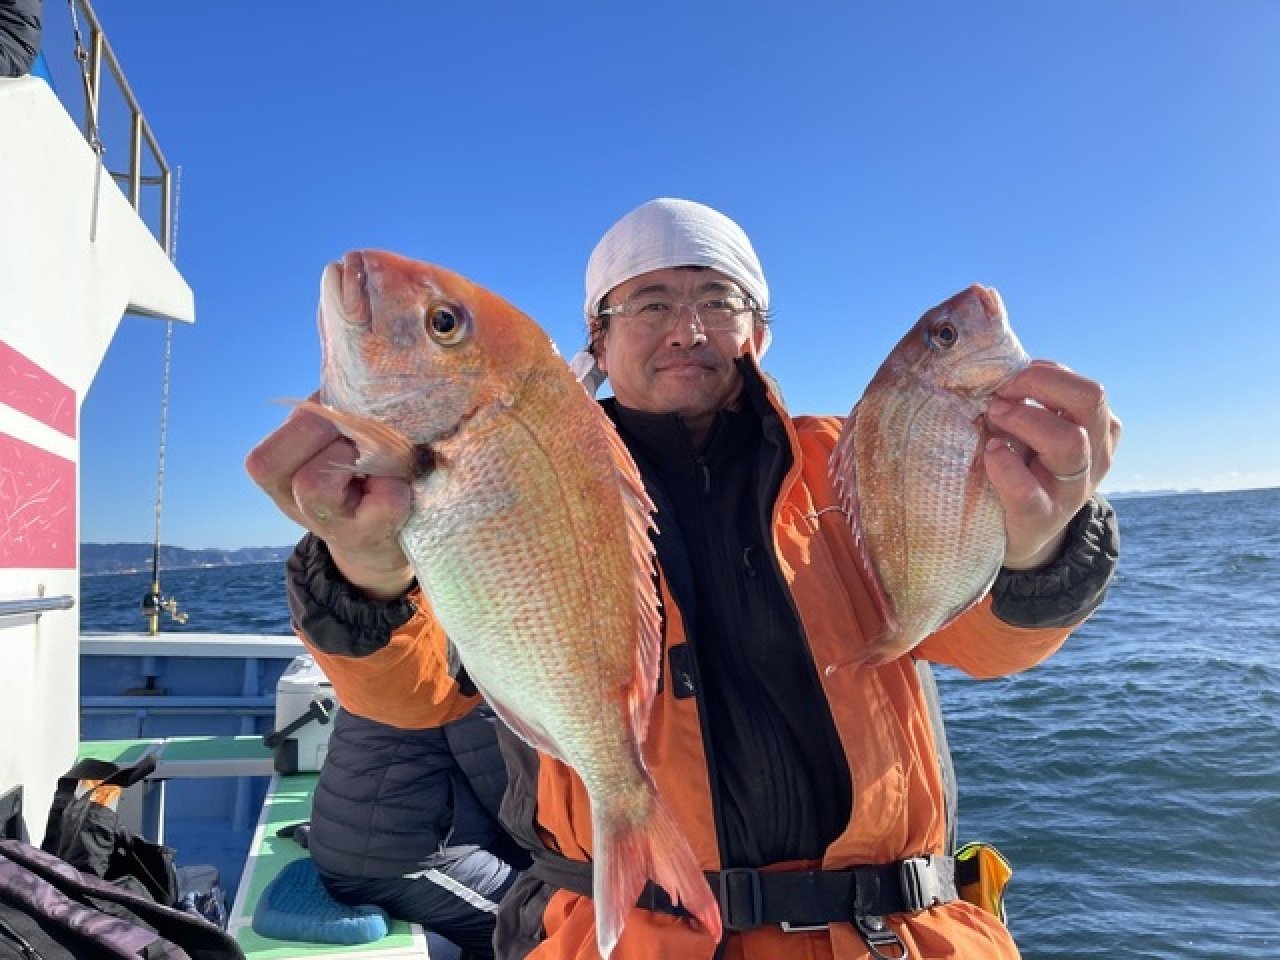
384, 451
628, 853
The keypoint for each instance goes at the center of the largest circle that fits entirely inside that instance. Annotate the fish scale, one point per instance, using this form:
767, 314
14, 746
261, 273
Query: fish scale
950, 568
494, 513
493, 576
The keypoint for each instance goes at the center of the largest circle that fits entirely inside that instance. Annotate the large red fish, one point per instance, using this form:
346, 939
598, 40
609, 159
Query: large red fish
909, 466
529, 535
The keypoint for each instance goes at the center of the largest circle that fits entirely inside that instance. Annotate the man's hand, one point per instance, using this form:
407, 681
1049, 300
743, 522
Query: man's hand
306, 468
1064, 439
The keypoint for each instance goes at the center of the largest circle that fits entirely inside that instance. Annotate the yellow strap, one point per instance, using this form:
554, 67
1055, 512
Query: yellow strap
993, 872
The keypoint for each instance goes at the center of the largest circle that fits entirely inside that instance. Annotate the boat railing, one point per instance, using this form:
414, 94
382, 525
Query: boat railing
192, 644
157, 652
37, 605
142, 171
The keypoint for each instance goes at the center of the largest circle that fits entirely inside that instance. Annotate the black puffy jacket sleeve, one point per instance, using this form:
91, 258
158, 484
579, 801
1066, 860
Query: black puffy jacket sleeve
1069, 589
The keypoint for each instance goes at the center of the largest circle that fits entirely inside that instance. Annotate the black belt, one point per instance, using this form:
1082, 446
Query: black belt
795, 899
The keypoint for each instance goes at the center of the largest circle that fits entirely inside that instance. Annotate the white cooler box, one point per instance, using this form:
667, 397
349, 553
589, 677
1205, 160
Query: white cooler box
305, 707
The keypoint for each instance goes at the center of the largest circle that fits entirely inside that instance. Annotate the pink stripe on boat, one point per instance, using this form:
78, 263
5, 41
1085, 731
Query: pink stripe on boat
29, 388
37, 507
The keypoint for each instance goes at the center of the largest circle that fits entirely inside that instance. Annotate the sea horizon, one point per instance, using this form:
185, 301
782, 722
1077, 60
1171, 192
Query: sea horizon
1109, 494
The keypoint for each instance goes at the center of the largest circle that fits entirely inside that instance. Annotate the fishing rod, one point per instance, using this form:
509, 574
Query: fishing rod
153, 602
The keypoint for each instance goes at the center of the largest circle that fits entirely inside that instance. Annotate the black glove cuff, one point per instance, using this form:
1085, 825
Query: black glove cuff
335, 616
1069, 589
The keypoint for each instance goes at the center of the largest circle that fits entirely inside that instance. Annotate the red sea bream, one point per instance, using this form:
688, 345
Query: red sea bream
529, 535
910, 470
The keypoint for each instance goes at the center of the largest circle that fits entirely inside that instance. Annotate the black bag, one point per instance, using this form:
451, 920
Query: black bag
50, 910
84, 829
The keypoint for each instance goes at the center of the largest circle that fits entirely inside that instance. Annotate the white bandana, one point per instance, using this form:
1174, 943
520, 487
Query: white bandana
673, 233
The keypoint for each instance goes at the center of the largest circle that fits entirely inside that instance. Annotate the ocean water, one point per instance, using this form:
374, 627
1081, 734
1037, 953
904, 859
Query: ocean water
1133, 779
248, 598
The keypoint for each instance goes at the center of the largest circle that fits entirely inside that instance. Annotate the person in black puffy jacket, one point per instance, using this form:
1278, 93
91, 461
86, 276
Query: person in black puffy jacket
405, 813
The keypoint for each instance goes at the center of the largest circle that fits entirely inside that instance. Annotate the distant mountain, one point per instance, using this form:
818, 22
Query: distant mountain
132, 557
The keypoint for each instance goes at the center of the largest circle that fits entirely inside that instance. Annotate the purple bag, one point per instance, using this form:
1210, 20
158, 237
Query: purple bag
49, 909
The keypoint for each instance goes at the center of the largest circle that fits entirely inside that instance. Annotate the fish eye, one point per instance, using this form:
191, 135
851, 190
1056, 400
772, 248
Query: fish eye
943, 336
447, 323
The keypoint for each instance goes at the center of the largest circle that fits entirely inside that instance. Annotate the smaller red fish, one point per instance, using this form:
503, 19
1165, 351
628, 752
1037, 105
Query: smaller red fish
909, 467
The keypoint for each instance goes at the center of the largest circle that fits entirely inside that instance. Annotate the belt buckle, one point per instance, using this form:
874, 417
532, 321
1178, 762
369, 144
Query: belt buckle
920, 886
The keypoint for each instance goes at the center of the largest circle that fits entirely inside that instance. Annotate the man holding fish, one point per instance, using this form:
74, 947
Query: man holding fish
759, 717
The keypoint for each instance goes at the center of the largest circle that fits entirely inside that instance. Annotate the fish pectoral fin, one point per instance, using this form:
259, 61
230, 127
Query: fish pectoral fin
384, 451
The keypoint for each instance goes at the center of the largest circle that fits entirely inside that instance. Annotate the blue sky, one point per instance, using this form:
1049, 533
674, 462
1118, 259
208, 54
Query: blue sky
1111, 166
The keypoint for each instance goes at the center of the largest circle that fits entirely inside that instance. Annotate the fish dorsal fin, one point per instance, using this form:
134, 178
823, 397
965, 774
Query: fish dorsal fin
384, 451
843, 468
638, 510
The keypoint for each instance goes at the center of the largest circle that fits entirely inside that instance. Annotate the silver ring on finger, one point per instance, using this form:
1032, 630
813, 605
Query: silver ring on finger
1074, 475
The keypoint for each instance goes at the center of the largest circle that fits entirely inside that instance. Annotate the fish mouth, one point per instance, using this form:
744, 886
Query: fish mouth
345, 289
992, 370
999, 358
1004, 361
991, 301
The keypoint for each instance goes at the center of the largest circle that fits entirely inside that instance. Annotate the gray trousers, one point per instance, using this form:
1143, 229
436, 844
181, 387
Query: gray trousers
457, 896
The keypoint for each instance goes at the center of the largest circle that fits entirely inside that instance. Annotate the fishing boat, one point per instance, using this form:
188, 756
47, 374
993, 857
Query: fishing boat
82, 246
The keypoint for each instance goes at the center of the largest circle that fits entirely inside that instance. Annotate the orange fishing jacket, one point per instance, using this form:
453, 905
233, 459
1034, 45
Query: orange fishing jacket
881, 717
883, 724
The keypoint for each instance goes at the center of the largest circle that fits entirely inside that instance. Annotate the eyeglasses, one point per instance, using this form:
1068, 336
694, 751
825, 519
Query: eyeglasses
660, 314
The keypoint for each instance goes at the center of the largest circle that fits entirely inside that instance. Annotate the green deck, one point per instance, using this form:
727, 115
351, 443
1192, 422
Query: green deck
123, 752
289, 802
188, 756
